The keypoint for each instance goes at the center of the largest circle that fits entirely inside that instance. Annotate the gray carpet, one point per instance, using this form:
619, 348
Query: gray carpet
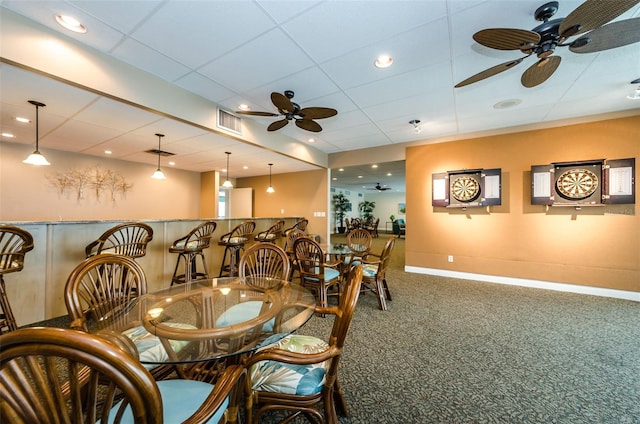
458, 351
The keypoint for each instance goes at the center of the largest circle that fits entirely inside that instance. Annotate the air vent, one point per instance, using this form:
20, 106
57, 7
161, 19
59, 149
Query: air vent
159, 152
229, 121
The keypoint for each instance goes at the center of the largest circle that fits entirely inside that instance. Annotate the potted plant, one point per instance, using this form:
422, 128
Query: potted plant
392, 218
366, 208
340, 208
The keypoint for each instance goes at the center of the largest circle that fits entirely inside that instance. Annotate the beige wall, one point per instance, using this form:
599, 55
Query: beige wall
296, 194
26, 193
595, 246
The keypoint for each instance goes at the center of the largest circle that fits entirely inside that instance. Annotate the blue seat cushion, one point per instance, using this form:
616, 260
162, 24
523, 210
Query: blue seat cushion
244, 312
370, 271
150, 348
329, 274
180, 399
278, 377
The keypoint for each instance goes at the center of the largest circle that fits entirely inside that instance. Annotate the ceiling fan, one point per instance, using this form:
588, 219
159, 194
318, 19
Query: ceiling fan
304, 118
542, 40
379, 188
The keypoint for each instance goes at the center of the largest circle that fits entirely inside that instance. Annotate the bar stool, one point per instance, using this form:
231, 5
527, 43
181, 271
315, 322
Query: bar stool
189, 248
271, 235
233, 243
128, 239
14, 244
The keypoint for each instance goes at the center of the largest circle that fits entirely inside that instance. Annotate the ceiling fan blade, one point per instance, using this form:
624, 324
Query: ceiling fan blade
506, 38
283, 104
275, 126
592, 14
247, 112
309, 125
540, 71
607, 37
317, 112
489, 72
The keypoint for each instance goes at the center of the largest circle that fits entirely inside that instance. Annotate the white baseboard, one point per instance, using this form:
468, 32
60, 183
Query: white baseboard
572, 288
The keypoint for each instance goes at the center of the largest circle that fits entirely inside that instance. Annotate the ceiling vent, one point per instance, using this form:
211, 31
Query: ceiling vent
159, 152
229, 121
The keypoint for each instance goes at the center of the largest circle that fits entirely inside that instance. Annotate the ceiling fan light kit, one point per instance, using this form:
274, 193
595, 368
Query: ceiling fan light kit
593, 17
304, 118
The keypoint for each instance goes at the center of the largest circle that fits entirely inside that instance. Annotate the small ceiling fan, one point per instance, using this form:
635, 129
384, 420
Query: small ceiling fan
592, 15
304, 118
379, 188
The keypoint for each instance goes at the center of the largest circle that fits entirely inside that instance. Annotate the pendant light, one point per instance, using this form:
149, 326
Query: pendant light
270, 188
227, 183
159, 175
36, 157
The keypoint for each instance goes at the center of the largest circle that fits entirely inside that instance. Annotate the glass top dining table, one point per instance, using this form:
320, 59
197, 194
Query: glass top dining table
216, 318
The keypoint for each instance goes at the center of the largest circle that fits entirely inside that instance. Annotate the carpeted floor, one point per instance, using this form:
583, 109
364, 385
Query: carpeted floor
458, 351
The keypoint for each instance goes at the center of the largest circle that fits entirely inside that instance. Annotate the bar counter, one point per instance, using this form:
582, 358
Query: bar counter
37, 292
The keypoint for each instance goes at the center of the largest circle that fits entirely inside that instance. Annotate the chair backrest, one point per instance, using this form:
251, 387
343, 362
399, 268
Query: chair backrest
243, 230
100, 290
342, 321
309, 257
385, 256
273, 233
291, 237
55, 375
14, 244
128, 239
264, 260
359, 241
199, 238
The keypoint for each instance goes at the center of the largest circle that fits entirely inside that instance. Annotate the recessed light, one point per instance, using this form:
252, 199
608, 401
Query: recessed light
243, 107
70, 23
312, 140
374, 166
359, 176
245, 167
334, 179
389, 174
172, 163
505, 104
107, 152
23, 120
383, 61
341, 169
8, 135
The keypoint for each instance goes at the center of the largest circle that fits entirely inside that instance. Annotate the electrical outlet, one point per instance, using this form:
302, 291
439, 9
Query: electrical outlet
450, 258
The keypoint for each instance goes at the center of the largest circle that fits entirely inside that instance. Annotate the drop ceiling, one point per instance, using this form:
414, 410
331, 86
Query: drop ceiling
233, 52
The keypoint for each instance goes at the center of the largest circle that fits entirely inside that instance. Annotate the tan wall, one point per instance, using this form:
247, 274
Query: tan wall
296, 194
26, 193
595, 246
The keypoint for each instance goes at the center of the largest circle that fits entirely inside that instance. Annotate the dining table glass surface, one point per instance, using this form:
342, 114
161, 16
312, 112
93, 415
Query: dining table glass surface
216, 318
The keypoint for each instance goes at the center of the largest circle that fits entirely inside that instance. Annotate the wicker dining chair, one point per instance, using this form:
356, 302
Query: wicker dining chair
189, 248
15, 242
290, 238
374, 272
266, 264
55, 375
128, 239
359, 242
299, 374
98, 294
315, 271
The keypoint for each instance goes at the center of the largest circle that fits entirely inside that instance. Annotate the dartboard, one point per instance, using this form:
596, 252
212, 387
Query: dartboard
577, 184
465, 189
